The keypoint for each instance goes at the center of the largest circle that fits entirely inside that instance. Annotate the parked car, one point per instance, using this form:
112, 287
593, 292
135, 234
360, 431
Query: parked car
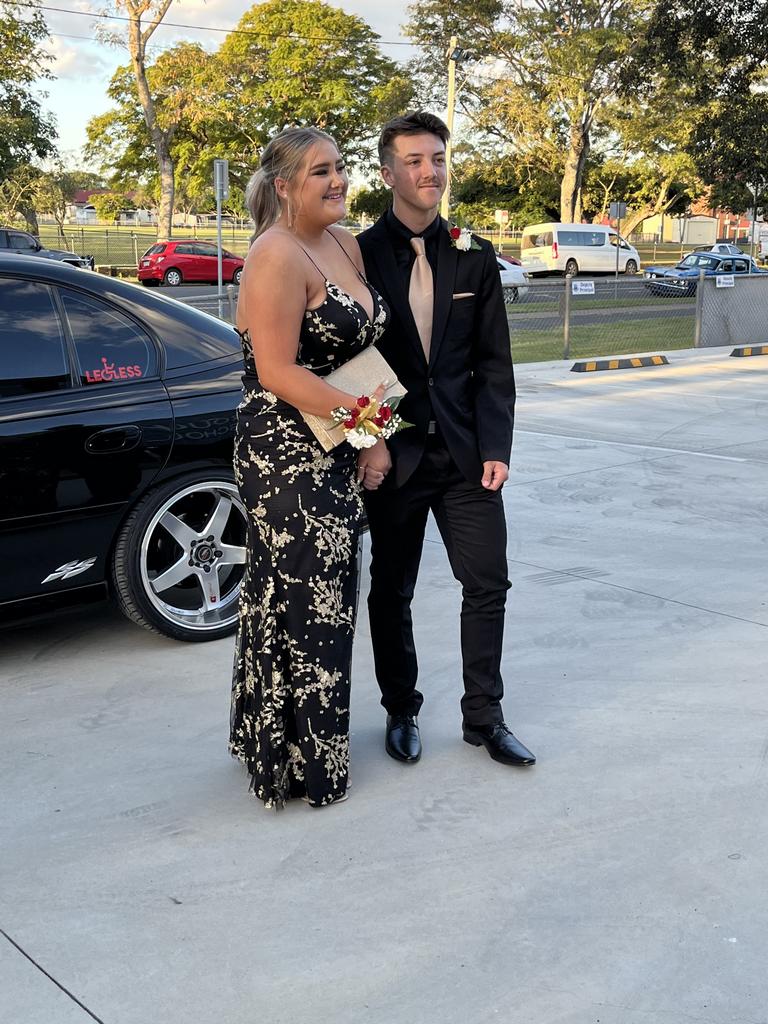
723, 248
117, 415
21, 242
514, 279
682, 279
188, 260
576, 248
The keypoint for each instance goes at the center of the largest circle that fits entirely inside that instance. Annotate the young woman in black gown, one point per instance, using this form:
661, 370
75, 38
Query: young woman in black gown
304, 309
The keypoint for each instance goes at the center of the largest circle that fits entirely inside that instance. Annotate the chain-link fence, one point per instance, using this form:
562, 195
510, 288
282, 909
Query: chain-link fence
575, 318
732, 310
123, 248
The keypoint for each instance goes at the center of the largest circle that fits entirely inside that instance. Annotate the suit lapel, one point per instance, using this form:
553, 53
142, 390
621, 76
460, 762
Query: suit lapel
390, 281
445, 280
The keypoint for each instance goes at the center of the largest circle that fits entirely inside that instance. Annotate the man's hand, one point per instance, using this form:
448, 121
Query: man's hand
495, 474
373, 464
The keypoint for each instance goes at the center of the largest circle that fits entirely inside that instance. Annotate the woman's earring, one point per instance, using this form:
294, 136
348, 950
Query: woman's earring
290, 212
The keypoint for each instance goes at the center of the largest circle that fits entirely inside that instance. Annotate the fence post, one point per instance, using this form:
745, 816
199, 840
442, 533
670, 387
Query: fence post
231, 297
106, 243
699, 310
135, 248
567, 320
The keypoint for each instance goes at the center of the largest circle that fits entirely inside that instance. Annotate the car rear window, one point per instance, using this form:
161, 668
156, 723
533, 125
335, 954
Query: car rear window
111, 348
543, 238
155, 249
32, 351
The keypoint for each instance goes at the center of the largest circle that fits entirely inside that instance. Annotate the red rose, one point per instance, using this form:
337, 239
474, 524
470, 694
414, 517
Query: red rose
378, 420
386, 413
363, 401
455, 233
350, 423
354, 413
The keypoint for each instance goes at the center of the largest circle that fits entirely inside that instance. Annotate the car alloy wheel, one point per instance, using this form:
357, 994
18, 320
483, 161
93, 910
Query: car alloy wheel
172, 278
631, 267
180, 558
511, 294
237, 275
571, 268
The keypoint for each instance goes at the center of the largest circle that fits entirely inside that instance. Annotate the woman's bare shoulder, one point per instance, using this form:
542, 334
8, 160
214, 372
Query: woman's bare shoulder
348, 241
275, 246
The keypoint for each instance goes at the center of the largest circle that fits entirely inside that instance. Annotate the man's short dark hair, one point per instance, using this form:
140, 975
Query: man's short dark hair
417, 122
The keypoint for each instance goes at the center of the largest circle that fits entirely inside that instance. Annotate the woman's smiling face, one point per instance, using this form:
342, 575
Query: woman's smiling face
319, 191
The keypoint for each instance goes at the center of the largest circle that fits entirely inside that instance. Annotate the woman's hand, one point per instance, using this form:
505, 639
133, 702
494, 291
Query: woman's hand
373, 464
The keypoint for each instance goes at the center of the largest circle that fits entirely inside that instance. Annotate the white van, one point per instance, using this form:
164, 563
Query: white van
576, 248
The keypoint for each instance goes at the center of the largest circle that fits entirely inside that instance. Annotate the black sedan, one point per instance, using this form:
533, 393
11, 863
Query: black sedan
117, 413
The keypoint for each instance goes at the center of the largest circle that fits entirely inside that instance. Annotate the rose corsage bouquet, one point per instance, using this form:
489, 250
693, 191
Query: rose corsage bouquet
369, 420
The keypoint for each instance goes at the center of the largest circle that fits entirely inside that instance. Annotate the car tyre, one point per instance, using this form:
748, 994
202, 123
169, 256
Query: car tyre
631, 267
237, 275
159, 574
173, 277
571, 268
511, 294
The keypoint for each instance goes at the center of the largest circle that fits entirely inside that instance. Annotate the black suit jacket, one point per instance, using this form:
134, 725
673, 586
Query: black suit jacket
468, 387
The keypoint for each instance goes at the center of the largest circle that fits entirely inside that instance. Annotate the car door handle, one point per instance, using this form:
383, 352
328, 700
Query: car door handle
113, 439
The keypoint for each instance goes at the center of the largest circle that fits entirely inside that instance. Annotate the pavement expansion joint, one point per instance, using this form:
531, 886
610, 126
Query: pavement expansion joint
50, 977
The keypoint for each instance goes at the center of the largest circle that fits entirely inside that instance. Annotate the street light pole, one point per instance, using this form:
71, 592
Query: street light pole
446, 201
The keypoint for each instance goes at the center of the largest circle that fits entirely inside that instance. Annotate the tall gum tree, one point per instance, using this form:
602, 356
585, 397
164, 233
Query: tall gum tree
139, 33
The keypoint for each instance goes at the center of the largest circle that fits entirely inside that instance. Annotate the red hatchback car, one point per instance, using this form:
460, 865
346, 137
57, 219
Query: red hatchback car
188, 260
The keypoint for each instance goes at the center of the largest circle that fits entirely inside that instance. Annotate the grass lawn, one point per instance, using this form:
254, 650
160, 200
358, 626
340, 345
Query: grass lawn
613, 338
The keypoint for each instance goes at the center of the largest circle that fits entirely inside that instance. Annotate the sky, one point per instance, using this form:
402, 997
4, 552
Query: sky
83, 66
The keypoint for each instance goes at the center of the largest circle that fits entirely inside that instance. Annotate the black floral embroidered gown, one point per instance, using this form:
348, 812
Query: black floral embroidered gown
291, 685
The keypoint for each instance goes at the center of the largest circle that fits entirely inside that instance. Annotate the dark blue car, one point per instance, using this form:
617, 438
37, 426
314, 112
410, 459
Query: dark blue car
683, 277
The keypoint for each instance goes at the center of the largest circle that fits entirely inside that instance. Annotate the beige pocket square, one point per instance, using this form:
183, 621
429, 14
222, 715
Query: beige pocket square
463, 295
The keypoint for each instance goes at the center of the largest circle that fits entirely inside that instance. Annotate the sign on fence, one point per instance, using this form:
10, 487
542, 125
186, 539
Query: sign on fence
617, 211
582, 287
501, 216
724, 281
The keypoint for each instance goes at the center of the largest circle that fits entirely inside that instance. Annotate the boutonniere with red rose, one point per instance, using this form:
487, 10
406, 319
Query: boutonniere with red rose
461, 238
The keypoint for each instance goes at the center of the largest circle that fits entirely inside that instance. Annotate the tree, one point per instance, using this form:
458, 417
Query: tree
121, 140
731, 151
370, 202
551, 69
302, 62
292, 62
139, 34
109, 205
17, 195
26, 132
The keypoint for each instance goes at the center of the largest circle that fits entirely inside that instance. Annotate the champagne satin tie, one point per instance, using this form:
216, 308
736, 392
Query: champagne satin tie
421, 294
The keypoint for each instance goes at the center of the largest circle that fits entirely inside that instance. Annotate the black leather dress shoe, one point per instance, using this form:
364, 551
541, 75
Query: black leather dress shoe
500, 743
403, 741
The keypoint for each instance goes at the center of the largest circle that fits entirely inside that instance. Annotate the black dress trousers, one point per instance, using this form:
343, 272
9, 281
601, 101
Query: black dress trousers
473, 528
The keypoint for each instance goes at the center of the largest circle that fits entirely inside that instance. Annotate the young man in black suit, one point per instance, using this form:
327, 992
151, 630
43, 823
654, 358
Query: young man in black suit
448, 342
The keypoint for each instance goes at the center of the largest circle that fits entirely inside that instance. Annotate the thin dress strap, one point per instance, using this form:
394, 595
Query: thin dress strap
312, 261
347, 255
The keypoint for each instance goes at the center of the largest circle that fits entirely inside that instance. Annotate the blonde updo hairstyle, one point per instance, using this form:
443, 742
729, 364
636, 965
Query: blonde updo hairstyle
282, 157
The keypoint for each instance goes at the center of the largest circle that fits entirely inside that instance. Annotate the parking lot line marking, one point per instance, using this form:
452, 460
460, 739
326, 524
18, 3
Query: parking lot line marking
633, 444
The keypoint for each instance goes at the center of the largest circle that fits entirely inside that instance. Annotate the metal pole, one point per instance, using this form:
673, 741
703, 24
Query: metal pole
218, 254
618, 242
752, 233
699, 310
567, 320
231, 298
446, 201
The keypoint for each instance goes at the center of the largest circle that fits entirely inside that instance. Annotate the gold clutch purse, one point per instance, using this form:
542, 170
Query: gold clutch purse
360, 376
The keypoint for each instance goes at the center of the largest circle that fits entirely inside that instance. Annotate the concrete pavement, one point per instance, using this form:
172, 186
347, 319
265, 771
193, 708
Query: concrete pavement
621, 881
